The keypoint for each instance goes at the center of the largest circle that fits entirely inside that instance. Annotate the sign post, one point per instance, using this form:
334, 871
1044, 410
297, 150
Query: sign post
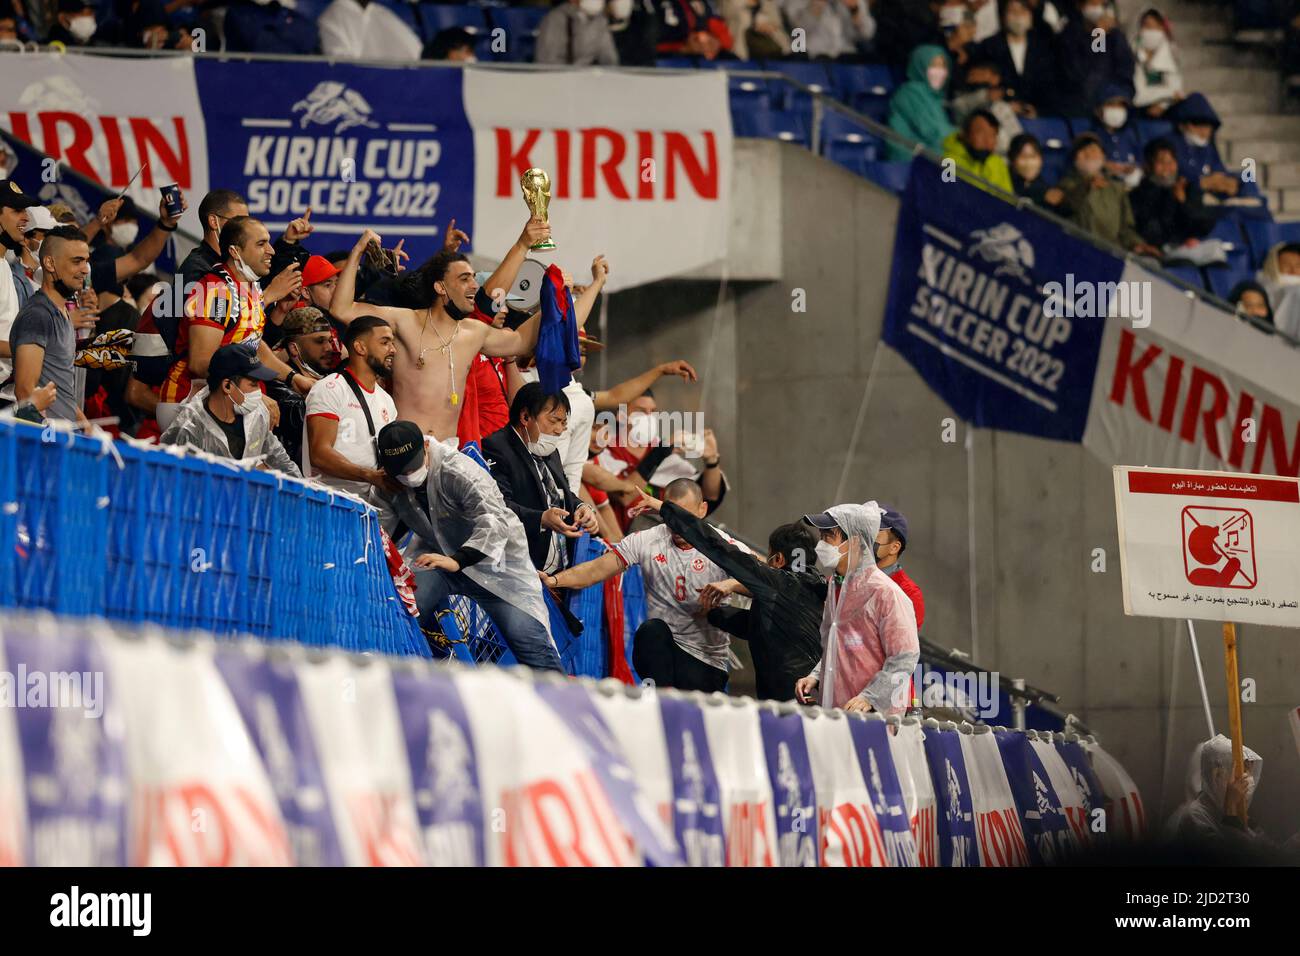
1214, 546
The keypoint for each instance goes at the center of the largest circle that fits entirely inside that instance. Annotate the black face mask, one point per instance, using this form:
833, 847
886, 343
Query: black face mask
17, 245
62, 288
455, 311
978, 154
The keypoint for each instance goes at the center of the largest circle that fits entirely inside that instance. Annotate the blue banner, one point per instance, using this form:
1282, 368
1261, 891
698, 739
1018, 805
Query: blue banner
793, 792
270, 702
697, 801
73, 764
1086, 779
969, 307
1047, 831
364, 147
444, 767
871, 742
956, 815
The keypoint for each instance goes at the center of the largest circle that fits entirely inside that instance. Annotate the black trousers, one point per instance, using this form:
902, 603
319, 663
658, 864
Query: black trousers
656, 657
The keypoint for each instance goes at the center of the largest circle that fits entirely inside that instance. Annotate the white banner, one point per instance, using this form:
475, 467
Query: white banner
746, 788
908, 749
1125, 814
636, 725
1209, 545
997, 824
1195, 389
13, 806
651, 193
1062, 781
106, 117
849, 829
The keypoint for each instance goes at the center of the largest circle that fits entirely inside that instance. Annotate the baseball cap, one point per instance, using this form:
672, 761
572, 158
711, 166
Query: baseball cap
12, 197
896, 522
40, 217
822, 521
238, 361
304, 320
318, 269
400, 443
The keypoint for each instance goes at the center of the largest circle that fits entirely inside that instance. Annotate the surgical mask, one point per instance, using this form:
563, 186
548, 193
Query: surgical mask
1114, 116
1195, 139
640, 428
415, 479
1133, 177
1093, 14
1167, 182
1151, 38
245, 271
247, 404
828, 557
1288, 279
1089, 167
63, 288
592, 8
1019, 26
82, 27
123, 233
543, 445
936, 76
1028, 167
620, 9
952, 16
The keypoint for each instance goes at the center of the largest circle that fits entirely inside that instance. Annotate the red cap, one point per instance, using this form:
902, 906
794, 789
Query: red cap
317, 269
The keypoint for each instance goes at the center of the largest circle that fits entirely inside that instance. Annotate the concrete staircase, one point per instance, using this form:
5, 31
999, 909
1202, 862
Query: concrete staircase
1243, 84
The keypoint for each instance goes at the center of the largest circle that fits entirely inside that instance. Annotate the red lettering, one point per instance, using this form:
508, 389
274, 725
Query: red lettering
147, 137
703, 177
74, 154
608, 168
20, 127
545, 797
1127, 371
562, 164
1020, 852
1173, 380
116, 152
1245, 405
512, 163
1201, 380
1271, 436
645, 150
594, 796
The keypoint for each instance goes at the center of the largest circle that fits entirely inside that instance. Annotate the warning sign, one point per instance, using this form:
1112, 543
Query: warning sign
1209, 545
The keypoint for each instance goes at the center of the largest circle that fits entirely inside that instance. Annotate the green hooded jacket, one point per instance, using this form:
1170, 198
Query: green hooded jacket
916, 111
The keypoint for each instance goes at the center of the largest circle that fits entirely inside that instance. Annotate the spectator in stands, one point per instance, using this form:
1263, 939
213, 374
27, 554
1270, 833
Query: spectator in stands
218, 207
75, 24
1118, 137
148, 25
150, 357
891, 542
973, 149
43, 338
1098, 203
528, 470
320, 278
1168, 209
1088, 67
24, 262
982, 90
1157, 81
1025, 59
453, 45
902, 26
635, 27
783, 627
227, 416
675, 646
14, 31
916, 110
14, 217
348, 409
311, 349
466, 541
758, 30
265, 26
869, 639
957, 27
692, 28
576, 32
366, 29
112, 262
1198, 157
1220, 811
226, 307
1280, 277
1251, 299
1025, 161
833, 28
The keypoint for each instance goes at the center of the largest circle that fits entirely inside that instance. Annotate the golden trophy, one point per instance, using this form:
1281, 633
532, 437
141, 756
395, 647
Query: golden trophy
537, 196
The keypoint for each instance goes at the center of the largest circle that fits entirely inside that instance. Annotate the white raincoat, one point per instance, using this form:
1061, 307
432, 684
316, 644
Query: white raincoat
1202, 815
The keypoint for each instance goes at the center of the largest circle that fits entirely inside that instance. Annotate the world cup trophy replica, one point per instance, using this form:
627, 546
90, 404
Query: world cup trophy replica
537, 196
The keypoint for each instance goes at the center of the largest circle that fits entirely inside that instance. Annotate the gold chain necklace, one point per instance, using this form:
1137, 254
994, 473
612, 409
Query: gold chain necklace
445, 348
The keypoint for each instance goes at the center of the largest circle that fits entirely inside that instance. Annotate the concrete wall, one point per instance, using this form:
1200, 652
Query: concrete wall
783, 391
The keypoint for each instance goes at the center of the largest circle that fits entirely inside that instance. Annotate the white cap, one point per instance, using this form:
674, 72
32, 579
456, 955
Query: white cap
40, 217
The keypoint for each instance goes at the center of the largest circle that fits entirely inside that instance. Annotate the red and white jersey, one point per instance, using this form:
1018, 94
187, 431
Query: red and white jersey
673, 579
332, 397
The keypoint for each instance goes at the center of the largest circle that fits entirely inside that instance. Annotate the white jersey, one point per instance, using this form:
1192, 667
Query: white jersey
332, 397
673, 579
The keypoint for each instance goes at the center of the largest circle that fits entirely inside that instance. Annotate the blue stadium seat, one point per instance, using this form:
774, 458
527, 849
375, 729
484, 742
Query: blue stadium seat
678, 62
891, 176
1264, 234
750, 113
1223, 278
847, 134
811, 74
865, 87
1149, 129
433, 17
1051, 131
520, 24
790, 126
1189, 274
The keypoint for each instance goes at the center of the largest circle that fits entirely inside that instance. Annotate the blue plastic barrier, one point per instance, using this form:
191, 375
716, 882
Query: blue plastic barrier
133, 534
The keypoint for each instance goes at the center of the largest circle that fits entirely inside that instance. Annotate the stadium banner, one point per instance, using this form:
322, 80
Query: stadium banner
109, 118
13, 798
1089, 787
697, 798
1125, 814
265, 691
970, 307
746, 790
653, 197
914, 775
871, 742
997, 825
363, 146
639, 730
958, 844
1048, 835
846, 819
793, 791
1063, 782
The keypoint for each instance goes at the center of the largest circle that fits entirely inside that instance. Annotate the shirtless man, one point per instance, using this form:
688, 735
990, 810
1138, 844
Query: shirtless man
434, 346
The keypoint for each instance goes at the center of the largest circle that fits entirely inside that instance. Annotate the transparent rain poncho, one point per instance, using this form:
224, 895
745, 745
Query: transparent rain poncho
1202, 814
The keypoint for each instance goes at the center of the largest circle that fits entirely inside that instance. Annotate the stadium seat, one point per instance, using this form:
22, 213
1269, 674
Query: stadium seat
1264, 234
1223, 278
790, 126
433, 17
520, 24
811, 74
677, 62
1149, 129
1189, 274
843, 135
1051, 131
864, 87
749, 112
891, 176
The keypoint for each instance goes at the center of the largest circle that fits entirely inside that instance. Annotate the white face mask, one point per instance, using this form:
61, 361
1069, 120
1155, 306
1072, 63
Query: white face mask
1019, 26
247, 404
1093, 14
952, 16
1288, 279
640, 428
1195, 139
245, 271
1151, 38
1114, 116
592, 8
82, 27
1089, 167
123, 233
936, 76
828, 557
544, 444
415, 479
620, 9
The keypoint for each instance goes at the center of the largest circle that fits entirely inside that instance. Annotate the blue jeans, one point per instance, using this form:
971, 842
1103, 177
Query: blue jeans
526, 636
